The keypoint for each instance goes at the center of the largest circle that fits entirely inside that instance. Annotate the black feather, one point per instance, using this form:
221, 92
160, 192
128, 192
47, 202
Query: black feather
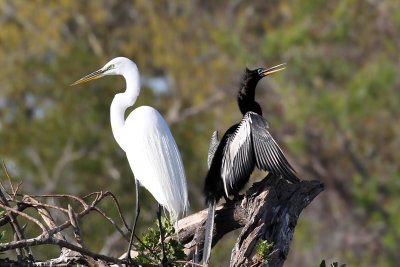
243, 147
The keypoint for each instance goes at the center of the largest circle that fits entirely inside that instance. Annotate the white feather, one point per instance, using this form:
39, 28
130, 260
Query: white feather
154, 158
241, 135
145, 137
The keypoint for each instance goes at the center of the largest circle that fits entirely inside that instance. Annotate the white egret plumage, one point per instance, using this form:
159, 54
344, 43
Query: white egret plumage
148, 143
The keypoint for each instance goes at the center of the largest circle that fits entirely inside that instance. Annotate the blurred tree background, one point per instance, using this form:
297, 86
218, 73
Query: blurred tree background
334, 109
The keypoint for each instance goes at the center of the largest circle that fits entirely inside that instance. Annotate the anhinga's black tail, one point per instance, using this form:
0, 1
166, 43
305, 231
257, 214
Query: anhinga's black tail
209, 232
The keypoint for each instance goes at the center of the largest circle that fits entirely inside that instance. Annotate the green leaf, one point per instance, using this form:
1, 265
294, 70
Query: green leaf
173, 249
2, 235
264, 249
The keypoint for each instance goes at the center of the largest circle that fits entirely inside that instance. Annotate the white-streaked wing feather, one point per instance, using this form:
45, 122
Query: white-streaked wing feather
251, 144
238, 155
268, 155
214, 143
156, 161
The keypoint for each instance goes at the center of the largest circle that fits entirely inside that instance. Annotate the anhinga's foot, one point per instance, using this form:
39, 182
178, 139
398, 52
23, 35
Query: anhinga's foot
129, 261
236, 197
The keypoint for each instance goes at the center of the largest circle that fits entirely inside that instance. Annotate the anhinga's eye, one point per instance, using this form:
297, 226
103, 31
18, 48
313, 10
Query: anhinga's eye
260, 71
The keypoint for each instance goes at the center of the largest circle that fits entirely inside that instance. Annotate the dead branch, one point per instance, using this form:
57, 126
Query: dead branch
53, 235
18, 231
268, 211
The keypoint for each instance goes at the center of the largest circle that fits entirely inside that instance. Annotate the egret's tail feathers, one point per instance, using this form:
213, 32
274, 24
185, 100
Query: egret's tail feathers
209, 233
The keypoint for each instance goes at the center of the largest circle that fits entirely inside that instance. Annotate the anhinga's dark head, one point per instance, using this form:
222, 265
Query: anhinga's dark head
252, 77
248, 86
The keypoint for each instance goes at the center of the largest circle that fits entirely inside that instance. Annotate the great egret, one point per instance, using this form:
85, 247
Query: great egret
148, 143
244, 146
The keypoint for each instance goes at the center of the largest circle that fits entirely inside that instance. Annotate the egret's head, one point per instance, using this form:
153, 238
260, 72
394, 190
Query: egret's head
116, 66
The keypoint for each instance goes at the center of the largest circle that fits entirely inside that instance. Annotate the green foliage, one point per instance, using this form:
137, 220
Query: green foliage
150, 247
2, 235
264, 250
334, 109
334, 264
2, 232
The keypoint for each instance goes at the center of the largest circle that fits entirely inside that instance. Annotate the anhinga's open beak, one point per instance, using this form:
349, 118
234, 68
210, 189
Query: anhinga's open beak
273, 69
91, 76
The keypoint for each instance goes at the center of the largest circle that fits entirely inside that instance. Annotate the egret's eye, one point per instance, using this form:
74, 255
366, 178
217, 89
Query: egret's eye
107, 68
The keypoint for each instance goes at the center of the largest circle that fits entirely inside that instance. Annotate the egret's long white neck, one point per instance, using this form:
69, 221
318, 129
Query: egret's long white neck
124, 100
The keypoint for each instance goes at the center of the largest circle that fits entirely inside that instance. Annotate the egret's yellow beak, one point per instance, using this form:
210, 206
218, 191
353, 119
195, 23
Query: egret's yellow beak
273, 69
97, 74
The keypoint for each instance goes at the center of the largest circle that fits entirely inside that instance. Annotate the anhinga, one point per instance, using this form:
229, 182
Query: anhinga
244, 146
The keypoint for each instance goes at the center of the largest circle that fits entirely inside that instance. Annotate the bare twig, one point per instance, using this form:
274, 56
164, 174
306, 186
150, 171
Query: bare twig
36, 221
90, 194
44, 214
63, 196
6, 219
112, 222
4, 189
16, 190
29, 200
75, 225
108, 193
19, 234
8, 176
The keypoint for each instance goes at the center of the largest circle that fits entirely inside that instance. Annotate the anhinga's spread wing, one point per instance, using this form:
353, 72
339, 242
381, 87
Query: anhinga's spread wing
238, 156
213, 147
252, 145
269, 157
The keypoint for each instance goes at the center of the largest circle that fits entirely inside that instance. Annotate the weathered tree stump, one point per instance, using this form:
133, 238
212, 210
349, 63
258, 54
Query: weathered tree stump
268, 211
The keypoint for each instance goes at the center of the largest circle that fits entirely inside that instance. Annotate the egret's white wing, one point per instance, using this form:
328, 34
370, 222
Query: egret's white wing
155, 159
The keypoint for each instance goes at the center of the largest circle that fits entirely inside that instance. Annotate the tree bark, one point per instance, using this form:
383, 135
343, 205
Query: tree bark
268, 211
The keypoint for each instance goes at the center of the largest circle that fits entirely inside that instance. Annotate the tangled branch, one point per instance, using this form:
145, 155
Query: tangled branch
51, 233
269, 210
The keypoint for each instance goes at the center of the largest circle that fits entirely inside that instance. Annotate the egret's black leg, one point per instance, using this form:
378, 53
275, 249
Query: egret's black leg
164, 259
128, 256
